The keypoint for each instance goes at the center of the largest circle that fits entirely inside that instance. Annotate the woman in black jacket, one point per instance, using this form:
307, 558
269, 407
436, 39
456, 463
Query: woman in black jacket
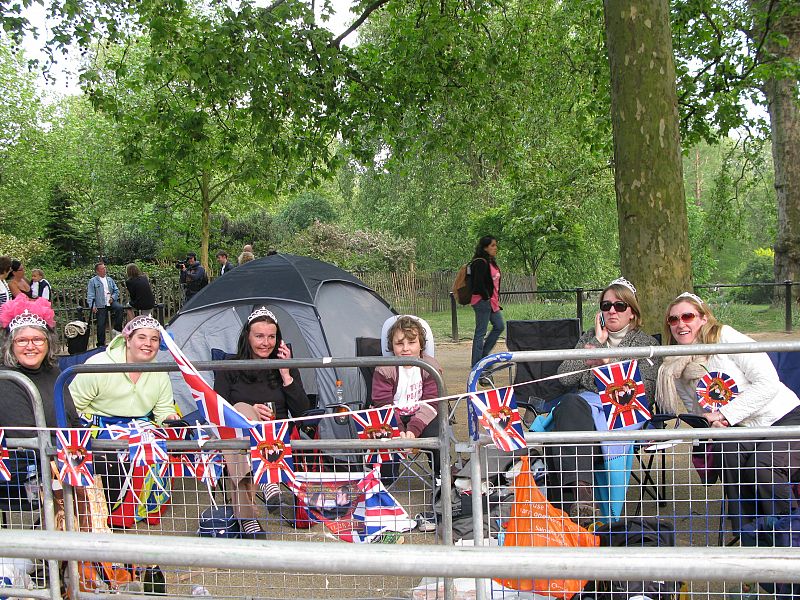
485, 282
140, 292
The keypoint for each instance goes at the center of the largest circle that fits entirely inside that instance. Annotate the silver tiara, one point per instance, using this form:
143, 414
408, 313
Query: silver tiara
694, 297
262, 312
27, 319
141, 322
625, 282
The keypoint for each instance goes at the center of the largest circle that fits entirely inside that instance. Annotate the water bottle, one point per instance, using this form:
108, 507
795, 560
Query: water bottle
339, 392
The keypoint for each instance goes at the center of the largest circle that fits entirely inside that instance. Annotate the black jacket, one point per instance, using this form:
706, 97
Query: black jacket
481, 278
195, 278
141, 293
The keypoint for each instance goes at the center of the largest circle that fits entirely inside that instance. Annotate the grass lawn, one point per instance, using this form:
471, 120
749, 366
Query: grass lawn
747, 318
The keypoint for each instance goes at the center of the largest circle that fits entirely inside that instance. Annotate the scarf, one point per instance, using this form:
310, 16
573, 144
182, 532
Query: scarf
688, 369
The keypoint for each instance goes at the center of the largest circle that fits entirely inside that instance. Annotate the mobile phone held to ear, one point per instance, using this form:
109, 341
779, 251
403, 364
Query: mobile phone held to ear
602, 321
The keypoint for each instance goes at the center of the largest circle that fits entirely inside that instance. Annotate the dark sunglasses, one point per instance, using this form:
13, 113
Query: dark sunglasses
619, 305
685, 317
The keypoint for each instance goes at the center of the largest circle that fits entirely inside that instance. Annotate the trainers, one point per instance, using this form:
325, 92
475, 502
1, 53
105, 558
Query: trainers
426, 522
389, 537
585, 514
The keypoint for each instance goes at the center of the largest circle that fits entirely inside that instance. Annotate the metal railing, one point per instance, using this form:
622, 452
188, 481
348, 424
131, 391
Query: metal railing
581, 293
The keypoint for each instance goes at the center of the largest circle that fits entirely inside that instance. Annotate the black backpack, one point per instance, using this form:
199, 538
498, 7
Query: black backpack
637, 532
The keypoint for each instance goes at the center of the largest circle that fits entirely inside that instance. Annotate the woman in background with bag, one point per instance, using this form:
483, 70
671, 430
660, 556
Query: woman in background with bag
485, 282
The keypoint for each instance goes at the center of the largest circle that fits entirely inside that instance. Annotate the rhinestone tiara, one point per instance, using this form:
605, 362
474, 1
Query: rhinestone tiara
694, 297
625, 282
24, 312
27, 319
262, 312
141, 322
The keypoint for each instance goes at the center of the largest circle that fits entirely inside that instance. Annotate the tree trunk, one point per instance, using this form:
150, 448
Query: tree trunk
784, 116
648, 173
205, 218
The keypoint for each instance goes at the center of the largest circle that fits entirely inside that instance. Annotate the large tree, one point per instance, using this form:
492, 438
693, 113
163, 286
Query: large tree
653, 238
782, 51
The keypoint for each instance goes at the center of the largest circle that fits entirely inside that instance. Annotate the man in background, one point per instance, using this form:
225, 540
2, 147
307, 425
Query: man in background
102, 295
225, 264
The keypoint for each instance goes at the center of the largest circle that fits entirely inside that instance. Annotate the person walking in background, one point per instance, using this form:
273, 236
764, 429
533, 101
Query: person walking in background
224, 264
40, 287
140, 292
102, 295
485, 281
16, 280
246, 257
5, 270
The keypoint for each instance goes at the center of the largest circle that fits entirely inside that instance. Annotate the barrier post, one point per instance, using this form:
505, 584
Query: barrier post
579, 305
454, 317
788, 303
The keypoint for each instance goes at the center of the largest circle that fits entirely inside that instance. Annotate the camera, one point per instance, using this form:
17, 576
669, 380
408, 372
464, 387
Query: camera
180, 264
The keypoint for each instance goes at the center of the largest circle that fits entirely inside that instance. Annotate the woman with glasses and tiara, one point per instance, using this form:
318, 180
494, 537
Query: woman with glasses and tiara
744, 391
588, 481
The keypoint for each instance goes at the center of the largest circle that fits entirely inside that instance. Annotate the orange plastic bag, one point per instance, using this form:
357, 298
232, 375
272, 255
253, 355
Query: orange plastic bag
536, 522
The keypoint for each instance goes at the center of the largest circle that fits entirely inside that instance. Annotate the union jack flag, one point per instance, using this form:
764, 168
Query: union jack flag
208, 464
147, 446
499, 415
214, 407
5, 473
716, 389
622, 394
271, 453
377, 424
74, 457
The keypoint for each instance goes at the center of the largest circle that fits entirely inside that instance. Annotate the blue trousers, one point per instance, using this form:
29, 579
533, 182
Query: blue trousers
102, 317
483, 316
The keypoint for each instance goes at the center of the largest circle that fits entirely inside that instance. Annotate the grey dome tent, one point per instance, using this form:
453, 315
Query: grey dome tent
321, 310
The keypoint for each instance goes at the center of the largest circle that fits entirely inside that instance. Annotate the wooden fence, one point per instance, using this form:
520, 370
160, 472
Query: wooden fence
409, 292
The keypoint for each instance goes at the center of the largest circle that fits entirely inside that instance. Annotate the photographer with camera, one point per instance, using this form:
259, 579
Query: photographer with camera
193, 275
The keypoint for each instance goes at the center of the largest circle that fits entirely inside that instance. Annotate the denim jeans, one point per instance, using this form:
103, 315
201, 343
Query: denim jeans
483, 316
102, 317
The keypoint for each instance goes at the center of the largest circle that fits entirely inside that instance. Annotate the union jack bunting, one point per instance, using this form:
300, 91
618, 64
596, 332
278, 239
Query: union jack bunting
147, 446
208, 464
499, 415
271, 453
74, 457
214, 407
377, 424
5, 473
716, 389
622, 394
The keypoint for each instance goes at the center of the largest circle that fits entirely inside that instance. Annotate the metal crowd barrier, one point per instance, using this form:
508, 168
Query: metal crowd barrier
413, 489
671, 487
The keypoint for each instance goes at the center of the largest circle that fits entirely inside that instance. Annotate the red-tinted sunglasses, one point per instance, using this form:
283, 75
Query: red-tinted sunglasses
685, 318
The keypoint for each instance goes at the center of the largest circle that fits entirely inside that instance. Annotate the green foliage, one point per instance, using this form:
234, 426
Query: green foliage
133, 243
358, 250
68, 243
255, 228
31, 252
759, 269
303, 210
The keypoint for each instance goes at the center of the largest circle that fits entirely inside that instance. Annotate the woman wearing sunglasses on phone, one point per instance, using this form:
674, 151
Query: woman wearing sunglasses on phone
616, 325
756, 474
261, 395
